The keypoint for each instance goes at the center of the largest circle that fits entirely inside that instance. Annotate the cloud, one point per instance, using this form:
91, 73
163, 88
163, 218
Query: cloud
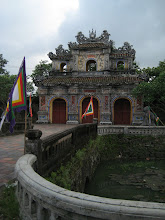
28, 26
34, 28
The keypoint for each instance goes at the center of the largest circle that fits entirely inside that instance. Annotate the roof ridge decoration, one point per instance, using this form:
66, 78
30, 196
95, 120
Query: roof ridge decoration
81, 39
60, 53
126, 48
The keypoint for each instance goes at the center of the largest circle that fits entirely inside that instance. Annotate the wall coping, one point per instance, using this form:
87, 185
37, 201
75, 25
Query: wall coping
56, 198
131, 130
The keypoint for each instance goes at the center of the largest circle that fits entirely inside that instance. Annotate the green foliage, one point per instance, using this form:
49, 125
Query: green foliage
64, 175
155, 71
6, 83
153, 92
29, 85
110, 147
120, 66
9, 207
41, 69
3, 62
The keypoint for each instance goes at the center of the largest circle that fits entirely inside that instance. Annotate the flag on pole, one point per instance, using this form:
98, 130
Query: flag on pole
17, 97
157, 120
30, 106
149, 115
89, 110
3, 118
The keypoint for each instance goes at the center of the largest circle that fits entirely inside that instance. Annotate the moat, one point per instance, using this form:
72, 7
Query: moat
142, 180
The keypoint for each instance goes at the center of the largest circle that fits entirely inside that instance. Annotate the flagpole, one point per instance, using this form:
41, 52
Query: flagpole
25, 130
31, 122
156, 116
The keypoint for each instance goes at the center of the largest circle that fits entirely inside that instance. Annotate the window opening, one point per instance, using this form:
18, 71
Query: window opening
91, 65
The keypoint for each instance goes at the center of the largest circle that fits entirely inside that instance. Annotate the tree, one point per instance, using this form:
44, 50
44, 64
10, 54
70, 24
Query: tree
6, 83
3, 62
153, 91
41, 69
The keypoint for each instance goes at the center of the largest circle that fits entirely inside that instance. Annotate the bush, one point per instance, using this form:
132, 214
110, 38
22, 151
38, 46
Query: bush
9, 207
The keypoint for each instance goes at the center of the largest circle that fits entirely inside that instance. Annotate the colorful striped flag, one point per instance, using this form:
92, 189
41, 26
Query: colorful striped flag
30, 106
89, 110
17, 97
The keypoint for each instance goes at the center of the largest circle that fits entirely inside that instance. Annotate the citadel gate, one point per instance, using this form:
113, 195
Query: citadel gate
92, 66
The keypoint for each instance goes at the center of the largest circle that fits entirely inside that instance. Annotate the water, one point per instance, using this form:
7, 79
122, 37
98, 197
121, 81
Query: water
132, 180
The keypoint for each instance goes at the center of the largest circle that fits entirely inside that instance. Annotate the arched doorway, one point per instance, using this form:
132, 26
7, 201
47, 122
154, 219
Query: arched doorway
120, 65
89, 119
59, 111
91, 65
63, 67
122, 112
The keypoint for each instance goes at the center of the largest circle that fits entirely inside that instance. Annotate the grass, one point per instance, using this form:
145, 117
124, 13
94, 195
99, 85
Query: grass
9, 207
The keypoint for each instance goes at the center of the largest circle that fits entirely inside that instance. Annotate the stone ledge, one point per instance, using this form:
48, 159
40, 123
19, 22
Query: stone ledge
61, 202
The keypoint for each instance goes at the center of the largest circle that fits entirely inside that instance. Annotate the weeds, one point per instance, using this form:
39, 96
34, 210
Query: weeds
9, 207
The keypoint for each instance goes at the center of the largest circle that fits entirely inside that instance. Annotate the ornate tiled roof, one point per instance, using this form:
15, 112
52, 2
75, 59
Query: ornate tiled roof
101, 80
89, 45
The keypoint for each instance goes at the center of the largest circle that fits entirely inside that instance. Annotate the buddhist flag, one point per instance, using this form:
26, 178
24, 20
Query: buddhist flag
30, 106
17, 97
89, 110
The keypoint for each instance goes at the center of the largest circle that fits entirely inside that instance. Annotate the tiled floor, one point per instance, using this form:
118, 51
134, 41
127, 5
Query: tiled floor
12, 147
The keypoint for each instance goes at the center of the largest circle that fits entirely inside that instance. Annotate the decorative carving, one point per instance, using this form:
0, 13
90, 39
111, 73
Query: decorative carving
81, 38
106, 103
42, 103
127, 48
73, 104
104, 38
60, 53
106, 62
72, 44
81, 63
51, 55
42, 100
101, 62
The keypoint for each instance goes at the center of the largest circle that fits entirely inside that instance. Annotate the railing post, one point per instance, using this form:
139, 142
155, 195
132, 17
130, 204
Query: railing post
33, 146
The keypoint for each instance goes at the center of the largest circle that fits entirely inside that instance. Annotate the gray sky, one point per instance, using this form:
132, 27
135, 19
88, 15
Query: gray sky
33, 28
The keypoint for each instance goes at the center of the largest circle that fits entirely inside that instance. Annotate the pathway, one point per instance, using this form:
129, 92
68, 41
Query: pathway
12, 147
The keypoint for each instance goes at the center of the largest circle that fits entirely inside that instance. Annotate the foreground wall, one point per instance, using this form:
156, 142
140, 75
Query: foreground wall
40, 199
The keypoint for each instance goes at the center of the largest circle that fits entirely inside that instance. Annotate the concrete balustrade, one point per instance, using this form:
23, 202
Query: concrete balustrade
131, 130
40, 199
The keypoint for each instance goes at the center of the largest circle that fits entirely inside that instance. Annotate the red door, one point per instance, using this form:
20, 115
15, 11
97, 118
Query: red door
89, 119
122, 112
59, 111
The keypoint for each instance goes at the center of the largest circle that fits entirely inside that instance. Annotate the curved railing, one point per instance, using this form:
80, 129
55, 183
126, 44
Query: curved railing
40, 199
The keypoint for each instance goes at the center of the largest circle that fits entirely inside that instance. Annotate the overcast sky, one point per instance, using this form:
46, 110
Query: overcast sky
33, 28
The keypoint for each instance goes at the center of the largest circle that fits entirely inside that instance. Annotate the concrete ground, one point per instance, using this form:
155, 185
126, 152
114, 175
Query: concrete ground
12, 147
